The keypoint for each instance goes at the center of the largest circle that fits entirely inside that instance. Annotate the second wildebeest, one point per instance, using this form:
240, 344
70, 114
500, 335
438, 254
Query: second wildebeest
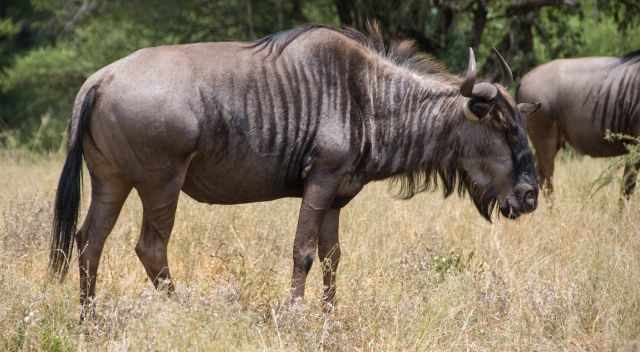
314, 112
580, 100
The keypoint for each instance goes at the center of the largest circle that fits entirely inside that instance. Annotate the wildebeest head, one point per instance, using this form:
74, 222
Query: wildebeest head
495, 160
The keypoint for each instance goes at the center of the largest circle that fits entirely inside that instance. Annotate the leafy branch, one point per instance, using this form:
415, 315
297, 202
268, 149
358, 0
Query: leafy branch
611, 172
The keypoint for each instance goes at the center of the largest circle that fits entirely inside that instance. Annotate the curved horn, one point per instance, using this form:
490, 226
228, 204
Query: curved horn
466, 88
505, 66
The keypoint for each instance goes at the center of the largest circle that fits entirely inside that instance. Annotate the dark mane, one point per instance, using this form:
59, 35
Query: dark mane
443, 171
277, 42
631, 57
429, 177
401, 52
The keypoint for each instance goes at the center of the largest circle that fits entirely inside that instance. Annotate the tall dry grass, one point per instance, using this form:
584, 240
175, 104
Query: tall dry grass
426, 274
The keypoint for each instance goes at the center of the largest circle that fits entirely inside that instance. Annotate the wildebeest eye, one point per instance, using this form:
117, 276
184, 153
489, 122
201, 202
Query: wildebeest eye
476, 109
480, 108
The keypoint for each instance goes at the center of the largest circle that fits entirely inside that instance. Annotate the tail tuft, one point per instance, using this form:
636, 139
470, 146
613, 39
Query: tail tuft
67, 202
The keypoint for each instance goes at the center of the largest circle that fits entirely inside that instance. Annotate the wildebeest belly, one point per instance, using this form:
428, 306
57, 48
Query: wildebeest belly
593, 143
587, 135
239, 175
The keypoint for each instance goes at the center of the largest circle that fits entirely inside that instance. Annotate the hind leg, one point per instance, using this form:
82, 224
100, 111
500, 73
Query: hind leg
107, 198
629, 181
159, 197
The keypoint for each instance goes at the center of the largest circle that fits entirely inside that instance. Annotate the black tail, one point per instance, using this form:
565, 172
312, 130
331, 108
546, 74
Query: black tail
67, 204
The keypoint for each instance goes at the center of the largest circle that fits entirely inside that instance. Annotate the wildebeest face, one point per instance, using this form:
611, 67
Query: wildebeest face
495, 159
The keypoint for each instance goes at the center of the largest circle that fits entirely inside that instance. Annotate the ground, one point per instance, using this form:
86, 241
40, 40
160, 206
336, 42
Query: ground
426, 274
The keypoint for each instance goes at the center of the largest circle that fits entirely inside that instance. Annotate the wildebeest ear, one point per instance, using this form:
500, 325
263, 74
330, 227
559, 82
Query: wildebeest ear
528, 108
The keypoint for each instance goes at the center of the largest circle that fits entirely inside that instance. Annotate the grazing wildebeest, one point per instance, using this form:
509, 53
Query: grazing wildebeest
313, 112
582, 99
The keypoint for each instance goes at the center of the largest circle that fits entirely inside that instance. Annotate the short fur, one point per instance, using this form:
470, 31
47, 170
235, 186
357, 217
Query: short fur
314, 113
589, 96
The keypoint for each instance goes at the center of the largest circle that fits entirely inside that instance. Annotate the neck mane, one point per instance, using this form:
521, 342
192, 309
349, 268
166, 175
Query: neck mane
408, 123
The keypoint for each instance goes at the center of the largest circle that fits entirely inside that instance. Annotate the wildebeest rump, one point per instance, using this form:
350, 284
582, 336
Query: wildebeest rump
313, 112
582, 99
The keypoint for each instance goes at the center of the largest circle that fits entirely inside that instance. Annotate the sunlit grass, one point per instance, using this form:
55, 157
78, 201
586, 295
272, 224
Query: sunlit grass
425, 274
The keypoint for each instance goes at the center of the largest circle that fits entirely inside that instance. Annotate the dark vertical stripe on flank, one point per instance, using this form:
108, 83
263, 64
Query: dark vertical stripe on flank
292, 106
305, 115
283, 119
620, 104
246, 102
315, 102
230, 113
596, 106
634, 100
631, 97
268, 131
292, 94
259, 119
622, 99
617, 115
295, 101
346, 98
284, 83
330, 81
334, 86
340, 95
311, 101
605, 109
320, 90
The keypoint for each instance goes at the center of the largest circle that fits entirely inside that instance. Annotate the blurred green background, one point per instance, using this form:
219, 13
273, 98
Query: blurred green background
49, 47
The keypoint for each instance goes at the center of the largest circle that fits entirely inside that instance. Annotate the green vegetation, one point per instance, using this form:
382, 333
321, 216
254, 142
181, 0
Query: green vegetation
49, 47
615, 165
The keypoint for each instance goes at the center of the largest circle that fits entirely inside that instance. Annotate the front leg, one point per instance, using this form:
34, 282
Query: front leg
319, 193
329, 252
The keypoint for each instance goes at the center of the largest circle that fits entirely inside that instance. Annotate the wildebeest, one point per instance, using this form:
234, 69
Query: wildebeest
313, 112
582, 99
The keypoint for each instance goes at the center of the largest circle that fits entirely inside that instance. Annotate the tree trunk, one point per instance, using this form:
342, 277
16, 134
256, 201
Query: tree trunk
4, 4
279, 9
479, 22
250, 31
296, 11
446, 20
517, 44
346, 12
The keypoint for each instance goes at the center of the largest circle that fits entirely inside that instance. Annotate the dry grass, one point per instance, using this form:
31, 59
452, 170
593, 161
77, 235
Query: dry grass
425, 274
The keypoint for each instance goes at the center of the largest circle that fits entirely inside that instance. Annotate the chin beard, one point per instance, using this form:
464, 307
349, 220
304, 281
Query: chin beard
485, 200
